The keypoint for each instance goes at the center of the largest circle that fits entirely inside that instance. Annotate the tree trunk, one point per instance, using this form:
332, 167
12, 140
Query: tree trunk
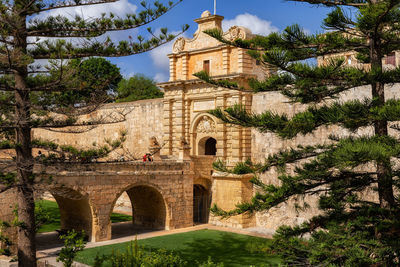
385, 182
24, 159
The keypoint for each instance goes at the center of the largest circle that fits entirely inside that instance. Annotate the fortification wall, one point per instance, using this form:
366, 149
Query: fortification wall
144, 119
265, 144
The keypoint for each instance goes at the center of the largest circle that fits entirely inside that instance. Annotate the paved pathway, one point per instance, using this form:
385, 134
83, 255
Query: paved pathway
49, 255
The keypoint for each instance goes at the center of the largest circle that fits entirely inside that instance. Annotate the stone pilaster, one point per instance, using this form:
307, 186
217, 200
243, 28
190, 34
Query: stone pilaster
167, 120
236, 136
226, 59
245, 64
185, 66
221, 130
188, 109
246, 132
178, 122
172, 68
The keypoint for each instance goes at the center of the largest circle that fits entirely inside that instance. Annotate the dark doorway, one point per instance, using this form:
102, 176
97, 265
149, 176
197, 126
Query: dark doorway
200, 204
210, 147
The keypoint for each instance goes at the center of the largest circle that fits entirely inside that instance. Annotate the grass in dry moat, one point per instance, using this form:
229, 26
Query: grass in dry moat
195, 247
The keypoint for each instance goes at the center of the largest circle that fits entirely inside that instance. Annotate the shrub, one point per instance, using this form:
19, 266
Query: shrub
73, 242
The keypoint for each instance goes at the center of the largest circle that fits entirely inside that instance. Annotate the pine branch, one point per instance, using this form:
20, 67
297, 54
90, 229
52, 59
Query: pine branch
333, 3
350, 115
63, 4
106, 48
61, 26
279, 159
296, 43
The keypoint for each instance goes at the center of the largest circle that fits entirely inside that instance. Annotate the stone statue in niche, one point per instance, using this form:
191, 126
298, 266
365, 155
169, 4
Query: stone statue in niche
206, 125
184, 150
154, 142
154, 147
184, 143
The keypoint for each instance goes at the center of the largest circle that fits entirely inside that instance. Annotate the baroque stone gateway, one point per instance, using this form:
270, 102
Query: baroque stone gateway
178, 187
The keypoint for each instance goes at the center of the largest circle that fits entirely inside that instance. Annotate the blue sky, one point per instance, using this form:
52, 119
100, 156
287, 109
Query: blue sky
262, 16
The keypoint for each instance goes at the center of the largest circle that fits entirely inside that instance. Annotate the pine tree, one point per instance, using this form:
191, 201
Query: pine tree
352, 230
31, 95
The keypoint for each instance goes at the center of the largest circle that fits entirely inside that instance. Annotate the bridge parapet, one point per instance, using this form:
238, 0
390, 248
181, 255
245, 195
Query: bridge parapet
117, 168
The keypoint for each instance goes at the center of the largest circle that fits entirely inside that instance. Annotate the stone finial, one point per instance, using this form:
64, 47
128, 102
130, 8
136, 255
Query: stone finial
184, 149
154, 148
205, 14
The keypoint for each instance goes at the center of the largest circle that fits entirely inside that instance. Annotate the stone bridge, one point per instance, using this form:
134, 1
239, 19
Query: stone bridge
161, 193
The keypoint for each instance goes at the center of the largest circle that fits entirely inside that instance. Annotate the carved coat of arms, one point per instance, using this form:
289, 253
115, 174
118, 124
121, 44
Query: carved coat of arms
206, 125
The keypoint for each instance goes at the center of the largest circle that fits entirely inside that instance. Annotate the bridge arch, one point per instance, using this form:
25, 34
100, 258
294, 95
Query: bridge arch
149, 205
75, 209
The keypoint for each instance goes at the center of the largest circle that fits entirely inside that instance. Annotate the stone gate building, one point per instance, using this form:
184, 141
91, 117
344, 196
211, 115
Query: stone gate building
177, 189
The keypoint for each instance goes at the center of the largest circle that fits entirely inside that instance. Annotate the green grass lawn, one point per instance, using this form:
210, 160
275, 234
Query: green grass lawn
54, 223
197, 246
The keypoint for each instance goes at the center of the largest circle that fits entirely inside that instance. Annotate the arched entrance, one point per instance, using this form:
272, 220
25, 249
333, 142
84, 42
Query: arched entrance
148, 211
62, 209
210, 147
75, 210
203, 132
148, 207
201, 204
207, 146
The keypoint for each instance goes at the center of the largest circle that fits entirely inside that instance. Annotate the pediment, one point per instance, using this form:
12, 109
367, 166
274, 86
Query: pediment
201, 40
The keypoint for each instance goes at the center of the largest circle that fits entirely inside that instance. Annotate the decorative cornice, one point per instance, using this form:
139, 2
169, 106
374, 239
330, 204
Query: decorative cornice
232, 76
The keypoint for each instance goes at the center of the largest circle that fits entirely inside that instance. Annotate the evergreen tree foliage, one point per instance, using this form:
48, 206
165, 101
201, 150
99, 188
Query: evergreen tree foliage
346, 171
96, 77
53, 97
138, 87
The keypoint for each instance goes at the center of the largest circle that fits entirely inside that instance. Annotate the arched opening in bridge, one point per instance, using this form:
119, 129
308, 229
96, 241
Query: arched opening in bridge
61, 210
147, 208
201, 204
75, 211
207, 146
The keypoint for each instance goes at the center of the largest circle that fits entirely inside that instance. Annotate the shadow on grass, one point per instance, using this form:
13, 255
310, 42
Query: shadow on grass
227, 248
231, 249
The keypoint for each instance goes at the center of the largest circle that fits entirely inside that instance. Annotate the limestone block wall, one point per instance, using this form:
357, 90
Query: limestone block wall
144, 119
265, 144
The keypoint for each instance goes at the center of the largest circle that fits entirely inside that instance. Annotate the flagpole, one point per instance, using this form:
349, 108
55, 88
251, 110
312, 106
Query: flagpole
215, 7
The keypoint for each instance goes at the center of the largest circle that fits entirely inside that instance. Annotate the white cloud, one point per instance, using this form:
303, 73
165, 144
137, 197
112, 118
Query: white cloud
159, 55
252, 22
160, 77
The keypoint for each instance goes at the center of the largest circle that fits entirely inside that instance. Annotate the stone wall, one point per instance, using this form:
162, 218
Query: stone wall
144, 119
265, 144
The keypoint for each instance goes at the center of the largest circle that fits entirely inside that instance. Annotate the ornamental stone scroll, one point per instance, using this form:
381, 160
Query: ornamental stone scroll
179, 45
